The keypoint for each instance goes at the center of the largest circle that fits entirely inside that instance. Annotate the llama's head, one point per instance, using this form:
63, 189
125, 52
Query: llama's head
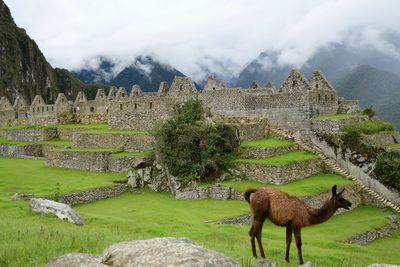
338, 200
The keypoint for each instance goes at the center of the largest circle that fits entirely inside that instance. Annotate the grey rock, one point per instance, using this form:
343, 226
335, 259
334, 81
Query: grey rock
160, 252
307, 264
17, 196
393, 217
140, 163
61, 210
133, 180
264, 263
76, 259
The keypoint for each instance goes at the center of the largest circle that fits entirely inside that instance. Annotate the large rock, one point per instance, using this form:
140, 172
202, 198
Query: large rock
61, 210
160, 252
76, 259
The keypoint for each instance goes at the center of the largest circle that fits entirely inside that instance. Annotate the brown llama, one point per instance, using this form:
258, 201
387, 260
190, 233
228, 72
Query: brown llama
285, 210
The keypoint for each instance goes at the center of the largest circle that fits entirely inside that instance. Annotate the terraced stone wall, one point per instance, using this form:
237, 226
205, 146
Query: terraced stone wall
129, 142
281, 174
32, 135
264, 152
21, 151
333, 126
83, 160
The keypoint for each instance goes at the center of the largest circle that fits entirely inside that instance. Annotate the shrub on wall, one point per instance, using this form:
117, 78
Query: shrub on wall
192, 148
388, 169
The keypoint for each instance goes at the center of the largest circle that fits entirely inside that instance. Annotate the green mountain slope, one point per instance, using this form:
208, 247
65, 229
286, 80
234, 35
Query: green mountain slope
24, 69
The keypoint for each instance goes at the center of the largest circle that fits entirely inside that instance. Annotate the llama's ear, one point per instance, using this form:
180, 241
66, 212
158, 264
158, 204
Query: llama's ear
341, 192
334, 190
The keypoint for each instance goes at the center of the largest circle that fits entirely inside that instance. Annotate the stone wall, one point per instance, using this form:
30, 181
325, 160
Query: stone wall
348, 106
83, 160
264, 152
216, 192
21, 151
32, 135
333, 126
122, 164
281, 174
248, 129
129, 142
93, 195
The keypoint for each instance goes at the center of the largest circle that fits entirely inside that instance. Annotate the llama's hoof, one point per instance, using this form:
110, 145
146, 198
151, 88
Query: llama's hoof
287, 259
263, 256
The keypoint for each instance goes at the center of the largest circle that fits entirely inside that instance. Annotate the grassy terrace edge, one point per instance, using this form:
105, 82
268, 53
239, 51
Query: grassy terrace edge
309, 186
338, 117
267, 142
53, 142
285, 159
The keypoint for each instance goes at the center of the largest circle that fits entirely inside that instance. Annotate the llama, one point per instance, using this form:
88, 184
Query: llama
289, 211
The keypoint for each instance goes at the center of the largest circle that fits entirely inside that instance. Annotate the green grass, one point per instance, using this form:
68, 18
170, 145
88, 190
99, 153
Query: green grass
132, 154
28, 239
370, 127
287, 158
338, 116
313, 185
266, 142
32, 176
54, 142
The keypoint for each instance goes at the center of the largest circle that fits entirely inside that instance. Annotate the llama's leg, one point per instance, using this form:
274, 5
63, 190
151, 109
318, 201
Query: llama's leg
259, 240
289, 231
252, 240
297, 236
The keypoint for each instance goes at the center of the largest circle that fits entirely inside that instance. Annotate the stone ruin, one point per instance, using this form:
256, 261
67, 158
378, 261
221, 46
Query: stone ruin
290, 107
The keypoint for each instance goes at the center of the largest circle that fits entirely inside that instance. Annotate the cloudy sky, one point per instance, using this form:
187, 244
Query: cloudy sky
219, 35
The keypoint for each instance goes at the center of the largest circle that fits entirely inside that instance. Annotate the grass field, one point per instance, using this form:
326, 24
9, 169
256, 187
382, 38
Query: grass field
287, 158
394, 147
28, 239
132, 154
266, 142
313, 185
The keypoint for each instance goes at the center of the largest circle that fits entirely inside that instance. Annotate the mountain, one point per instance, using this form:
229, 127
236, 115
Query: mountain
23, 68
335, 61
374, 87
144, 71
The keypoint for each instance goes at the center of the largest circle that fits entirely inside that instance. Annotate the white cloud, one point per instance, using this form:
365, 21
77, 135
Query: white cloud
219, 36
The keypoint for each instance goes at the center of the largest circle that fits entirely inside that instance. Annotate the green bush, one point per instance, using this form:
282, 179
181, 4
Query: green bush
192, 148
388, 169
370, 112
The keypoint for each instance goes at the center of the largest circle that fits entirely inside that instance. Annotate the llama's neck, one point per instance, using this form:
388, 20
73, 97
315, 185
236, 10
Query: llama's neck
322, 214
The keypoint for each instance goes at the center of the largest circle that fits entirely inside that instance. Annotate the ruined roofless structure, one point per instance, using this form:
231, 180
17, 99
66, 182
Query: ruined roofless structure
290, 107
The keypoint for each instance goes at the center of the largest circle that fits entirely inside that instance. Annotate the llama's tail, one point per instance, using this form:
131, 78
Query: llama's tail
248, 192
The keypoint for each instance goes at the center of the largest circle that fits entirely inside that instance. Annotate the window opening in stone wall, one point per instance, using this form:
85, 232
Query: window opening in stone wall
38, 109
136, 93
135, 106
42, 109
47, 109
52, 108
316, 86
120, 106
294, 83
151, 104
319, 97
123, 94
326, 98
91, 109
180, 87
213, 88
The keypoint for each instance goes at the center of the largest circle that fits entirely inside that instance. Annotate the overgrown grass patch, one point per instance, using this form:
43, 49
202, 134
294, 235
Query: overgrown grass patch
338, 116
309, 186
266, 142
394, 147
288, 158
370, 127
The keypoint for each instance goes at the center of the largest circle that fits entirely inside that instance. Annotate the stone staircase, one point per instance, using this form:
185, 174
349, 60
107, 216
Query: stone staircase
333, 166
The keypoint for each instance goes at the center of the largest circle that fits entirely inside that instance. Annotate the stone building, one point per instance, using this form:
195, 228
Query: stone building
290, 107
